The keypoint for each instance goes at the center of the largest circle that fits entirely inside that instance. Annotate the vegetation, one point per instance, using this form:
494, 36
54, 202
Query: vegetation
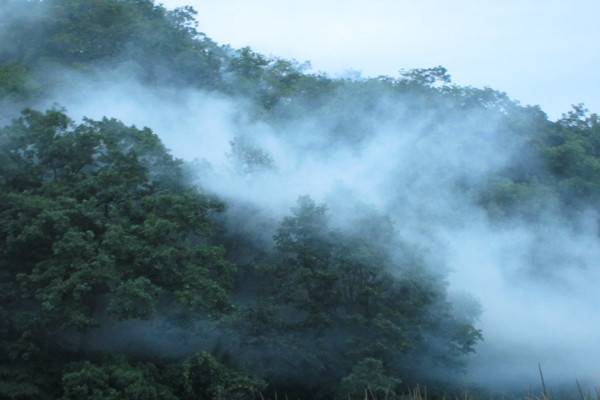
100, 224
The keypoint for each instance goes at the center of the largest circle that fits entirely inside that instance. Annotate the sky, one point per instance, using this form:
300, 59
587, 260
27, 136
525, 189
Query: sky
539, 52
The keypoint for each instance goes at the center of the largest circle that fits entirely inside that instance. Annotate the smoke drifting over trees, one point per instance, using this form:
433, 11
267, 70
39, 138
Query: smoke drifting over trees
303, 234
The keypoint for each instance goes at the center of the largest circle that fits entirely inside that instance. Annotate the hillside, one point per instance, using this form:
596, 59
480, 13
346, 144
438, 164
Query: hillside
184, 220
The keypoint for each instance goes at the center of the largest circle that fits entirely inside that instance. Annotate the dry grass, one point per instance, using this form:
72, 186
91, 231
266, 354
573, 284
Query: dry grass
421, 393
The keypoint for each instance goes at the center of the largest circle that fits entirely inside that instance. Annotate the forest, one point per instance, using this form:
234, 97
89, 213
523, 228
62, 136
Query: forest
180, 219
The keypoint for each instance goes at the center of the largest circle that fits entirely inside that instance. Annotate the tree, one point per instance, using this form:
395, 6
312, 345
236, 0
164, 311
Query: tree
335, 305
132, 37
369, 379
306, 278
248, 158
97, 218
425, 76
115, 378
205, 378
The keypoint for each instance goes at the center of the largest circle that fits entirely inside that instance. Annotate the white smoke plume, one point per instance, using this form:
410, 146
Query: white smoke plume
536, 283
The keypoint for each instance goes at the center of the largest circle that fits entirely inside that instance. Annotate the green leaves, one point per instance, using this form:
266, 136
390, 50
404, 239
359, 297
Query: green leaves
331, 299
559, 166
198, 377
134, 298
13, 79
138, 37
248, 158
116, 379
97, 222
84, 221
369, 379
205, 378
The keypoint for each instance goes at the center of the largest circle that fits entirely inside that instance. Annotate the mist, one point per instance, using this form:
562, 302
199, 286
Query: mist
535, 282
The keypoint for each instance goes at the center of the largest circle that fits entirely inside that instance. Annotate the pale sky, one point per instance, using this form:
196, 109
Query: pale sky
543, 53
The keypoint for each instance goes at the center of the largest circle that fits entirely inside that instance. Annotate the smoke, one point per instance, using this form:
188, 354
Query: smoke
535, 282
539, 297
18, 10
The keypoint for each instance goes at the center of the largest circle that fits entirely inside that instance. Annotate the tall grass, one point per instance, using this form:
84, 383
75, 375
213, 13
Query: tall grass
421, 393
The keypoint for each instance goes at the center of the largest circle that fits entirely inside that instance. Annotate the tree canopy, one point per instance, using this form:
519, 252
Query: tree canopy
96, 219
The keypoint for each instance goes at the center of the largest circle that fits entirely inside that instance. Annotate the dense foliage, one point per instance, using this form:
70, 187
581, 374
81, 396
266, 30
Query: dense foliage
97, 220
328, 301
100, 225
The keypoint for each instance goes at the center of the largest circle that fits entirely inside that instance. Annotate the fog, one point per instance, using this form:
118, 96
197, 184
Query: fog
536, 283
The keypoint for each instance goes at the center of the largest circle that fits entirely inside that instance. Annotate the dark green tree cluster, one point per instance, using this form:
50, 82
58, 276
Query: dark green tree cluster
335, 303
557, 169
139, 40
142, 40
97, 222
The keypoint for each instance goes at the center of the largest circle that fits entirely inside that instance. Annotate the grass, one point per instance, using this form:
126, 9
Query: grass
421, 393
